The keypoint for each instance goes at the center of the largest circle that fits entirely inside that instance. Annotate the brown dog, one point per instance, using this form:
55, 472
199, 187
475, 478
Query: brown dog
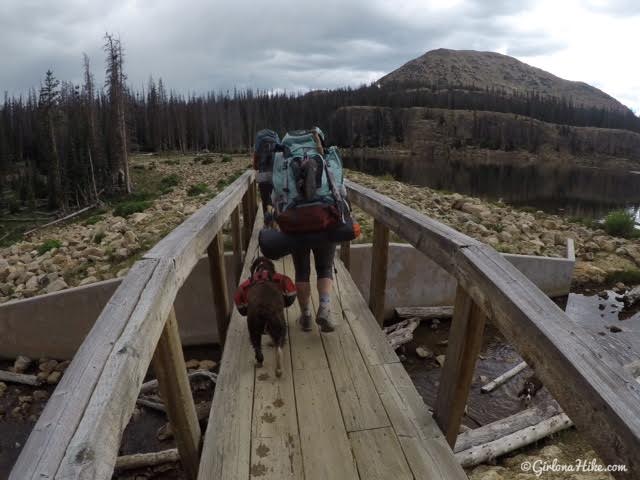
263, 298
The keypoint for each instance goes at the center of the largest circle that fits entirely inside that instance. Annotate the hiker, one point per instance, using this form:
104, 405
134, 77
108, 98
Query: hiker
310, 207
267, 142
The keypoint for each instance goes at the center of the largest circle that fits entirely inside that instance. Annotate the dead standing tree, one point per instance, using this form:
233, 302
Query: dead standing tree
115, 78
48, 105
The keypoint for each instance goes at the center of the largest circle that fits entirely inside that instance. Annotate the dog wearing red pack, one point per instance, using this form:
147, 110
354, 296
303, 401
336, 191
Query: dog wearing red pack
263, 298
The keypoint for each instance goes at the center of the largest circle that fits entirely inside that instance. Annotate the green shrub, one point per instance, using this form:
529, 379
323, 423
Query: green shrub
92, 220
207, 161
197, 189
97, 238
124, 209
169, 181
387, 177
226, 158
630, 277
222, 183
619, 223
48, 245
171, 162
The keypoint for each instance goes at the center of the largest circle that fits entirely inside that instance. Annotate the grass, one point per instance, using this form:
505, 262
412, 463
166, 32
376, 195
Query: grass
129, 207
226, 158
48, 245
387, 177
619, 224
93, 219
585, 221
197, 189
629, 277
207, 161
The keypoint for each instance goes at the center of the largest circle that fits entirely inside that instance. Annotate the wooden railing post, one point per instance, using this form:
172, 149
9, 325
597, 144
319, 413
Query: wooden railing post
218, 272
465, 341
236, 238
345, 254
379, 260
171, 372
247, 224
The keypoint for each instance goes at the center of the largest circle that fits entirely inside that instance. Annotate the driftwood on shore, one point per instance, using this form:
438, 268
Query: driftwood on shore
402, 332
501, 446
506, 376
506, 426
424, 313
12, 377
142, 460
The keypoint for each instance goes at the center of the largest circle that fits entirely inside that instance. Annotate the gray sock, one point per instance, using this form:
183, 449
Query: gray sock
307, 309
325, 301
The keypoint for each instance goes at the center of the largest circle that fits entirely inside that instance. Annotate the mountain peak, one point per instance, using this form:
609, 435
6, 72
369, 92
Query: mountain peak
470, 68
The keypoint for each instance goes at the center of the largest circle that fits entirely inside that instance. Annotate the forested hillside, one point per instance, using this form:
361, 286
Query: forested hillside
68, 144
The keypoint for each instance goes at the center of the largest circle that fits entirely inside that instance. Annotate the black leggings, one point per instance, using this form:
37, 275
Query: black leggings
265, 194
323, 257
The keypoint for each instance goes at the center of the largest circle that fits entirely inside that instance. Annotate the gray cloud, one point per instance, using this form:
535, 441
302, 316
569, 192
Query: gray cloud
202, 45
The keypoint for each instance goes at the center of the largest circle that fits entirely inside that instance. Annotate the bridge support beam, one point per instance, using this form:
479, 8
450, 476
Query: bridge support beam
236, 238
379, 261
217, 269
465, 341
171, 372
345, 254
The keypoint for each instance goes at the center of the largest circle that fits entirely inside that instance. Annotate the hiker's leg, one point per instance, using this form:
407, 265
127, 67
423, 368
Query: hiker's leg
302, 264
265, 194
323, 257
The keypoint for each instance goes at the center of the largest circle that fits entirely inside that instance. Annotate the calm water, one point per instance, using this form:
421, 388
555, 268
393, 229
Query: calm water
569, 190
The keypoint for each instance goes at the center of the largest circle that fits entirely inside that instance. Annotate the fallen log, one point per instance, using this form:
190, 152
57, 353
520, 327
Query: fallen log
506, 376
19, 378
489, 451
424, 313
142, 460
68, 217
202, 411
506, 426
153, 384
151, 404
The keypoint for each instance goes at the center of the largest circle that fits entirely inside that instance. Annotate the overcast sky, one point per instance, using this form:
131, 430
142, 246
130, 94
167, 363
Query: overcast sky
201, 45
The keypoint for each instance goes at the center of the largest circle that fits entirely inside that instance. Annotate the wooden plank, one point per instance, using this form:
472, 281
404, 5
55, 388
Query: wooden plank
345, 254
275, 442
436, 240
359, 401
465, 340
422, 442
236, 238
379, 455
424, 313
371, 339
247, 224
92, 451
49, 438
185, 244
171, 372
326, 451
218, 275
600, 397
307, 351
379, 261
226, 449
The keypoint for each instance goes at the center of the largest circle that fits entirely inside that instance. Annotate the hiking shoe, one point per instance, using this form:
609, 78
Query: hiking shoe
305, 322
323, 319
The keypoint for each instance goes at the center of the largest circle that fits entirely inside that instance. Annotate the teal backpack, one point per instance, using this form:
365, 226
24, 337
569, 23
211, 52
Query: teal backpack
308, 187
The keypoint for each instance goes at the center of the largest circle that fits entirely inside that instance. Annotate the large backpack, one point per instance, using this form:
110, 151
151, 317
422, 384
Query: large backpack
264, 151
308, 190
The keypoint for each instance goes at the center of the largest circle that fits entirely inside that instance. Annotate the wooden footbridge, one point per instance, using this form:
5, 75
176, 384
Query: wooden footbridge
345, 407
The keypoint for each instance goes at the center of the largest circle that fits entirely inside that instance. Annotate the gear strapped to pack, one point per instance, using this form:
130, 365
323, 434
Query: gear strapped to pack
285, 284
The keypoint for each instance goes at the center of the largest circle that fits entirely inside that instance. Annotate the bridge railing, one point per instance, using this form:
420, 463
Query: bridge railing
600, 397
79, 432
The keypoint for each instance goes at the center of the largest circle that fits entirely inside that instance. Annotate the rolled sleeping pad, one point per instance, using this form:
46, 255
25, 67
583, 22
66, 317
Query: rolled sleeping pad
275, 244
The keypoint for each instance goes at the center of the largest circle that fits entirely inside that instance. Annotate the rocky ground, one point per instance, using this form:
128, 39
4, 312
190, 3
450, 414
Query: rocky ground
599, 257
103, 245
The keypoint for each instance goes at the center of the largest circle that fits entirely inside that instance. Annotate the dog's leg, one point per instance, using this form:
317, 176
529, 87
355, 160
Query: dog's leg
278, 361
256, 341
